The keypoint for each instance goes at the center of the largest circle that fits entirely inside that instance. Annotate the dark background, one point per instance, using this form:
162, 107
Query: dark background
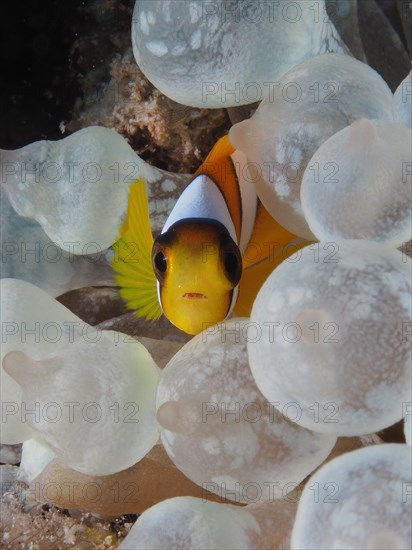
41, 70
38, 84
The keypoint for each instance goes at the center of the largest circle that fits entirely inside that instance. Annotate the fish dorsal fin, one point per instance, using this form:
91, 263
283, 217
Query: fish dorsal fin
133, 257
221, 151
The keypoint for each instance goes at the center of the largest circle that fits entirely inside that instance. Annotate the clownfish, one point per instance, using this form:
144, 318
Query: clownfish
216, 249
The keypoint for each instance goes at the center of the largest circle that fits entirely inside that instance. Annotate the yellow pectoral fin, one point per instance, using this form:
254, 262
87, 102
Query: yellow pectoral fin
132, 259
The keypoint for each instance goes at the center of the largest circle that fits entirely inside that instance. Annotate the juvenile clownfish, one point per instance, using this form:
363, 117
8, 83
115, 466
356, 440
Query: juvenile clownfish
216, 248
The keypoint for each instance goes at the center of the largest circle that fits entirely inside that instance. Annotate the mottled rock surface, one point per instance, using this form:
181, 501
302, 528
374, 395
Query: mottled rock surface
35, 526
116, 94
10, 454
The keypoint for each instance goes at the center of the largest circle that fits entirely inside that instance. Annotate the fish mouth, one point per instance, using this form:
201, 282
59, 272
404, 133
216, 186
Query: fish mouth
194, 296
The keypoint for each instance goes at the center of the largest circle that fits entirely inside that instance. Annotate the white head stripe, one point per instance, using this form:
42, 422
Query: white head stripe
202, 199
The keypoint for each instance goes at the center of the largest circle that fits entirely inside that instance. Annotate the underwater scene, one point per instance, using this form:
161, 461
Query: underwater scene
206, 307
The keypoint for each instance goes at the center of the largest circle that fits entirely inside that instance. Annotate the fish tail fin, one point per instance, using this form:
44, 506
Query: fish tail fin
132, 259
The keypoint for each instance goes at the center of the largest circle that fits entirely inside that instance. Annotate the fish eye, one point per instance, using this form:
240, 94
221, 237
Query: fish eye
160, 262
232, 262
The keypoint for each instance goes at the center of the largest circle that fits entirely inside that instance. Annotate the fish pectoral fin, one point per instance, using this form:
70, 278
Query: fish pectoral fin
132, 259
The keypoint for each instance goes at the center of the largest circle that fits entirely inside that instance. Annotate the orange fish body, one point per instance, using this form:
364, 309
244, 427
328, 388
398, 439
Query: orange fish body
216, 249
